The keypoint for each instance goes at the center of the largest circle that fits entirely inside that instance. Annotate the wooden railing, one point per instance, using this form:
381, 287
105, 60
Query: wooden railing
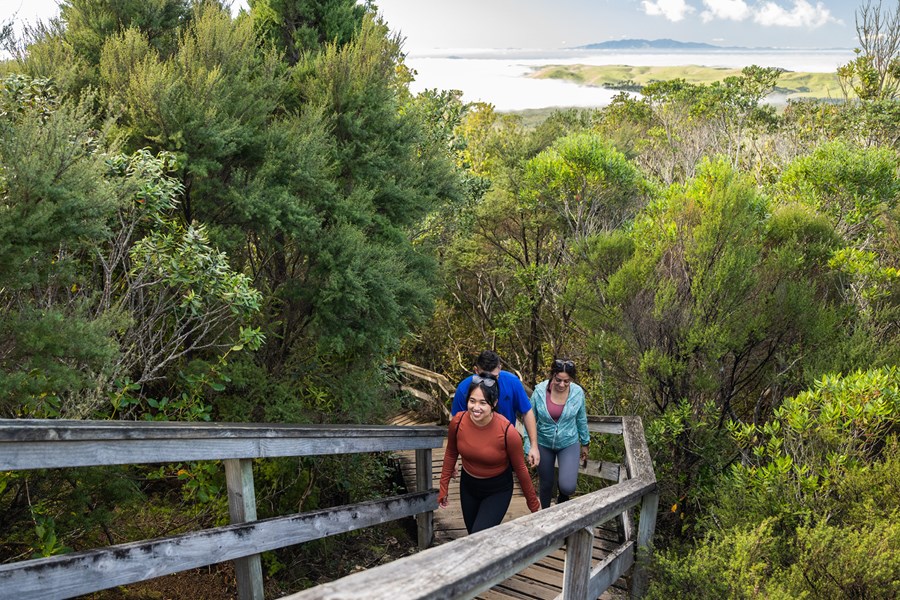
40, 444
458, 569
437, 393
469, 565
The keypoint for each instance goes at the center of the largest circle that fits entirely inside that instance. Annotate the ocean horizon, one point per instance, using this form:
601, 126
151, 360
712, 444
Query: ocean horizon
499, 76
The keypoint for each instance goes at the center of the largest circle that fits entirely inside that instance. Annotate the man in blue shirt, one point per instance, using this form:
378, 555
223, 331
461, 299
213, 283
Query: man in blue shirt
513, 399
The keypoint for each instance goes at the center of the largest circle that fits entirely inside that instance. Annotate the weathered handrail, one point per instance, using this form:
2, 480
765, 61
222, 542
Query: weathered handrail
470, 565
445, 389
38, 443
34, 444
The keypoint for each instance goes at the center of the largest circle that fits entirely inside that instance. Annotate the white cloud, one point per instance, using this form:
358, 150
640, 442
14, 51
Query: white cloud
732, 10
672, 10
803, 14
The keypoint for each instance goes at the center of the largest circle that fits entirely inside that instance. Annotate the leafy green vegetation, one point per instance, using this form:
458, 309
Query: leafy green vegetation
208, 217
792, 85
810, 510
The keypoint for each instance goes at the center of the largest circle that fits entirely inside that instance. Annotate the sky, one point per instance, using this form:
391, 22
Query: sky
550, 24
570, 23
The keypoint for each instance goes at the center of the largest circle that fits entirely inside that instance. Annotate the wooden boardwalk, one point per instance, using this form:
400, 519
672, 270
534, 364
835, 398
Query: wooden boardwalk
543, 579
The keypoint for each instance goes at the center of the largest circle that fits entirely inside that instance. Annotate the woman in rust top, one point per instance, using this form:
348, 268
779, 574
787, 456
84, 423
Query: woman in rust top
490, 449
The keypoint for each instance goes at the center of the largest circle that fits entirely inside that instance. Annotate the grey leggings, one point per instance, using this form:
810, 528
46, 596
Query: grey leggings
568, 472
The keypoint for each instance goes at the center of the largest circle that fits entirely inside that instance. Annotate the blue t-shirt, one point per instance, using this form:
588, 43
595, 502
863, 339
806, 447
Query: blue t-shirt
513, 398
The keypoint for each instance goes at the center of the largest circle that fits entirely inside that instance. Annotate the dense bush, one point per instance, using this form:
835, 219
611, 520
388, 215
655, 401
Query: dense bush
811, 509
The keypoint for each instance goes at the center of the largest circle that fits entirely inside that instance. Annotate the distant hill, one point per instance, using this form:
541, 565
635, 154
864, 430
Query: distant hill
664, 44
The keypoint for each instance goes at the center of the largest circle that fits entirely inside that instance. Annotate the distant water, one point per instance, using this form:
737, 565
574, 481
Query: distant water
499, 76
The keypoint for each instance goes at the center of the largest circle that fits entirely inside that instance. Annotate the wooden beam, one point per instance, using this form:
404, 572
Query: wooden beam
640, 464
646, 526
603, 424
47, 444
79, 573
430, 376
613, 566
241, 509
418, 394
424, 481
21, 430
577, 569
603, 469
637, 455
627, 521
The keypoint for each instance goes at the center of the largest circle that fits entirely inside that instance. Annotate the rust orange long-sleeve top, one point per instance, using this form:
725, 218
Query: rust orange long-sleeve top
485, 453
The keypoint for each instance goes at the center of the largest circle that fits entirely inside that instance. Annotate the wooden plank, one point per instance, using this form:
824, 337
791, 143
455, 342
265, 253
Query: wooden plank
21, 430
85, 572
429, 376
625, 518
604, 424
607, 532
495, 594
56, 454
419, 395
547, 571
607, 572
424, 521
603, 469
556, 560
576, 576
646, 525
526, 588
637, 455
640, 464
241, 509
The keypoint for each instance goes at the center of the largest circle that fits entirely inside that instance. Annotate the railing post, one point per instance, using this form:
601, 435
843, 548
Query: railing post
242, 508
626, 520
646, 525
577, 570
424, 521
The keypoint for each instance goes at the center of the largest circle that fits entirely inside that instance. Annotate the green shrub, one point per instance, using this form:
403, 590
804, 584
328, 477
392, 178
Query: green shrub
855, 561
811, 512
737, 565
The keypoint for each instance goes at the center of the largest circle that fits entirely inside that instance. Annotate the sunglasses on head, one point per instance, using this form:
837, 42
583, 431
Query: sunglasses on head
487, 381
563, 365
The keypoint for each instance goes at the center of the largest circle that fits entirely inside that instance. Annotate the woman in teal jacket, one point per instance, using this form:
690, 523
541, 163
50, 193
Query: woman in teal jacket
561, 423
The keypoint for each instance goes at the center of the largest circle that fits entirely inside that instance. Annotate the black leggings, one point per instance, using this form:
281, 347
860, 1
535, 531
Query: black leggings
484, 501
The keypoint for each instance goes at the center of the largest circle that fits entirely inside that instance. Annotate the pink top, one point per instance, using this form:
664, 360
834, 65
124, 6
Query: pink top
553, 408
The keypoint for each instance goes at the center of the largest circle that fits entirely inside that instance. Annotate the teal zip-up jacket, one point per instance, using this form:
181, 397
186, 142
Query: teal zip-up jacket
572, 426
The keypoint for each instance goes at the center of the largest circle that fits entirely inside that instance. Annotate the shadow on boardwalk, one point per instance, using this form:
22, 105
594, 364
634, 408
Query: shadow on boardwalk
542, 580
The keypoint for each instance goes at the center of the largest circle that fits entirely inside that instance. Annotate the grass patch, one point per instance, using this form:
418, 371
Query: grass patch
791, 84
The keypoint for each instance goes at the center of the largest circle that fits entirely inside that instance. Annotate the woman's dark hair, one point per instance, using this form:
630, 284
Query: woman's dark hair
562, 365
489, 388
